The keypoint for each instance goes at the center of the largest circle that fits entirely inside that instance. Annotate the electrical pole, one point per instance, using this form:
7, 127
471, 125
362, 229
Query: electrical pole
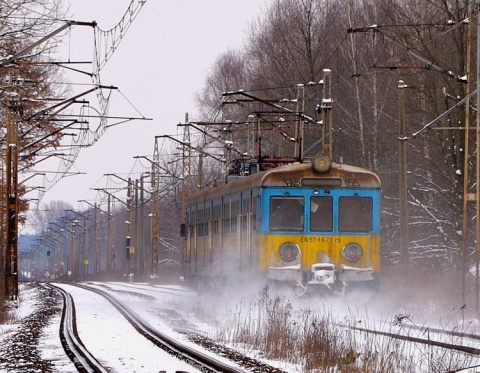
96, 248
2, 240
141, 241
403, 195
477, 194
85, 250
155, 211
327, 116
73, 252
130, 250
13, 110
111, 252
466, 147
186, 189
111, 256
155, 205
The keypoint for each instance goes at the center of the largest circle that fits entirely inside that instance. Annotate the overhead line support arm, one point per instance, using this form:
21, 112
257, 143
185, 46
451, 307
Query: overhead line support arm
45, 38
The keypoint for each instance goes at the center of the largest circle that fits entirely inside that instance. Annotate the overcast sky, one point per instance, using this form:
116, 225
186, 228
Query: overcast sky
159, 66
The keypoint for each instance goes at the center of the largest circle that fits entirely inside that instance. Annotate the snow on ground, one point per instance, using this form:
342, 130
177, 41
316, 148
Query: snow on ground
113, 341
52, 349
19, 349
27, 305
174, 311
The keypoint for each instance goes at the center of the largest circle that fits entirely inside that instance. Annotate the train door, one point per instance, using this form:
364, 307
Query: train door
208, 235
216, 236
253, 228
201, 238
226, 239
245, 234
235, 231
192, 239
186, 255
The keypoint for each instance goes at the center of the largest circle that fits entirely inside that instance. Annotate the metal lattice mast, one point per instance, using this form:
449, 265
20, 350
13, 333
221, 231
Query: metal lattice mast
96, 246
155, 210
186, 183
129, 249
110, 260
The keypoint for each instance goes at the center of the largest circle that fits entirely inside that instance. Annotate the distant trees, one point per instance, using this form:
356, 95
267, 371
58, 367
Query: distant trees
50, 213
370, 45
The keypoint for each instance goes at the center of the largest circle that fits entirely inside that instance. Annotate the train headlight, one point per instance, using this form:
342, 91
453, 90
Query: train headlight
352, 252
321, 163
289, 251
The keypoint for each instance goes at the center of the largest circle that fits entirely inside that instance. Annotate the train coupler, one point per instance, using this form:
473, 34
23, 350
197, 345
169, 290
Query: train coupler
323, 274
322, 277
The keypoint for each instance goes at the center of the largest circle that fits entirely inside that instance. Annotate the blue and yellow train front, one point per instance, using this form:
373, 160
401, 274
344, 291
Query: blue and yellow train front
320, 235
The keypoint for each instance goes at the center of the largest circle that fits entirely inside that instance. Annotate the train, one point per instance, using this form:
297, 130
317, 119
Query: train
311, 225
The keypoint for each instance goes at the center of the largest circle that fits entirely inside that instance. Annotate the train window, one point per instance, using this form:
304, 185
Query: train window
200, 219
321, 214
355, 214
226, 217
207, 219
245, 205
286, 213
216, 217
245, 212
255, 203
233, 220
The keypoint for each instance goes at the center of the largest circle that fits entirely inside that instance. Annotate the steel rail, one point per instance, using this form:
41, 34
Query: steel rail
430, 342
83, 360
198, 359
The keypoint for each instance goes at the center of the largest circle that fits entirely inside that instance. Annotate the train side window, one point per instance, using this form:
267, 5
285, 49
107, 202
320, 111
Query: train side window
321, 214
286, 213
216, 217
234, 213
200, 220
355, 214
226, 216
254, 207
245, 212
207, 219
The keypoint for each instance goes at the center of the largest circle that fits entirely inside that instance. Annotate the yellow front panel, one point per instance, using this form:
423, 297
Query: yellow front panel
318, 249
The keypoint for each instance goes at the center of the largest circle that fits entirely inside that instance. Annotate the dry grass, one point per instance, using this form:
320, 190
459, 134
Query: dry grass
8, 315
273, 330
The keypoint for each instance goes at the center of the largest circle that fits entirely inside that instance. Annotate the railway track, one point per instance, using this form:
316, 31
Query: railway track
80, 356
197, 359
178, 292
86, 362
427, 341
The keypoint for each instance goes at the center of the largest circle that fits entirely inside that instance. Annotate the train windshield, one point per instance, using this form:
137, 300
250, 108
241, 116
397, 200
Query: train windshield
355, 214
286, 213
321, 214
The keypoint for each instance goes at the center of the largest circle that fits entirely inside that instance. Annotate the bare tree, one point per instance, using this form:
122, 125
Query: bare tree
370, 45
50, 213
29, 84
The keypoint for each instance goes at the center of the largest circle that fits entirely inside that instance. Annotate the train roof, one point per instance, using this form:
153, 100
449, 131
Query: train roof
298, 174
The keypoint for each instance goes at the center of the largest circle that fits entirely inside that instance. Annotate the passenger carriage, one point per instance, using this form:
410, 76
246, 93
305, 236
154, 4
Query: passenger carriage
308, 224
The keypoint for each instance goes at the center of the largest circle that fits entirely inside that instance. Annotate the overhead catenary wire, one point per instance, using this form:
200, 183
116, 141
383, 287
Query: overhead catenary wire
87, 136
430, 65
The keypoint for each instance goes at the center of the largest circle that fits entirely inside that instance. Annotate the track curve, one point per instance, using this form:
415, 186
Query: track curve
199, 360
84, 361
